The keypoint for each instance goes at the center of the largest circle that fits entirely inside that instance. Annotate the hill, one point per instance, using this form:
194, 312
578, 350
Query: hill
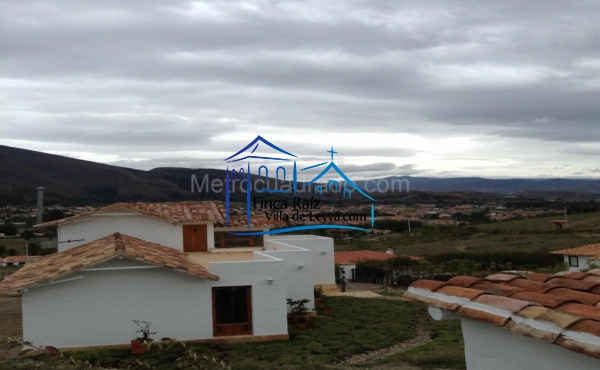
77, 182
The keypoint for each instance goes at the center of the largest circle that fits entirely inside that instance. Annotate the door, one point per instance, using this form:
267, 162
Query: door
194, 238
232, 311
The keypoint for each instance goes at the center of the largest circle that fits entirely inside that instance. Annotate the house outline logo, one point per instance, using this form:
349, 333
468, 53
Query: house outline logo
282, 156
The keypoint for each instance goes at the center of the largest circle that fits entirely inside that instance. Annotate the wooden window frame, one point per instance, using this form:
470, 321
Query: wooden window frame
225, 330
253, 240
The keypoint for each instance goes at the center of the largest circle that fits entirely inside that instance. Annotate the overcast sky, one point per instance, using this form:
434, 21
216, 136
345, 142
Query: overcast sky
424, 88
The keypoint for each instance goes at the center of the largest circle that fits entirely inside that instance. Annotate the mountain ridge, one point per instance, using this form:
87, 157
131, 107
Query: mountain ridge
79, 182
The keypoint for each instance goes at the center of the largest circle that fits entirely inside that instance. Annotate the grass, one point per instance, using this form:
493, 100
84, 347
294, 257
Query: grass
445, 351
358, 326
523, 235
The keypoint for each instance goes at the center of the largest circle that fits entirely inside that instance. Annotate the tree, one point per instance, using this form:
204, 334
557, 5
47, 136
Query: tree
12, 252
27, 234
34, 249
8, 228
2, 251
53, 215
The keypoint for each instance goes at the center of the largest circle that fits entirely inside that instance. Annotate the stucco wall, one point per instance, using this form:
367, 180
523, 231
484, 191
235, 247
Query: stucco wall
322, 252
348, 271
298, 270
140, 226
584, 263
99, 309
490, 348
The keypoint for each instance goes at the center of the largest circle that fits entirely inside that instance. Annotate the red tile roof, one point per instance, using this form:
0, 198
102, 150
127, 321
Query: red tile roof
351, 257
179, 212
45, 269
19, 259
569, 302
589, 250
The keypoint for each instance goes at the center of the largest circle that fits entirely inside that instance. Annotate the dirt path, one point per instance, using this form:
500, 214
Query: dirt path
10, 325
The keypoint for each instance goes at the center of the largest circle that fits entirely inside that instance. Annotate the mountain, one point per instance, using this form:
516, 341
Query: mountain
481, 185
77, 182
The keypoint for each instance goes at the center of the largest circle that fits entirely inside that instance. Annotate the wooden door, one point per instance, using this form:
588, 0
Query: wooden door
194, 238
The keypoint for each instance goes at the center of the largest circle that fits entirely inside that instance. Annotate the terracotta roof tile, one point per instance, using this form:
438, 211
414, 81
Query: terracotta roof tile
546, 300
497, 289
464, 281
581, 297
589, 250
563, 309
456, 291
431, 285
582, 285
539, 277
503, 277
54, 266
591, 312
180, 212
534, 286
575, 275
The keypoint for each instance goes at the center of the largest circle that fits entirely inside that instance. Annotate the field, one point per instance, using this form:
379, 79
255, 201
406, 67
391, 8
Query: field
522, 235
358, 326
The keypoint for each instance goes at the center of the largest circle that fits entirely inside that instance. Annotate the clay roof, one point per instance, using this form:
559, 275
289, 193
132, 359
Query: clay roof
351, 257
48, 268
563, 309
20, 259
179, 212
590, 250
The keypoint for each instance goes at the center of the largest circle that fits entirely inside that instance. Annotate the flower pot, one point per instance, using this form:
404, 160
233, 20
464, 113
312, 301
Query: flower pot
138, 347
327, 310
297, 316
302, 325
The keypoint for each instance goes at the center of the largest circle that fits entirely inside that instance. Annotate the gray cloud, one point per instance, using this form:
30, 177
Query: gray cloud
152, 83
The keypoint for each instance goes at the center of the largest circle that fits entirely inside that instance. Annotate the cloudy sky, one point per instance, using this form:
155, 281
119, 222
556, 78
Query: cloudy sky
424, 88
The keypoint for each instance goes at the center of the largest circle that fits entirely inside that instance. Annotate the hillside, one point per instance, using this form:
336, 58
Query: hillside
77, 182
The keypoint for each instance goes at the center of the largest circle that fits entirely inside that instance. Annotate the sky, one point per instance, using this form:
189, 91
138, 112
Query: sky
422, 88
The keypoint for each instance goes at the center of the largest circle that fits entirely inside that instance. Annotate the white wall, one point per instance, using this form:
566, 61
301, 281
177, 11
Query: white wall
99, 309
322, 255
348, 271
140, 226
488, 347
299, 281
269, 307
584, 263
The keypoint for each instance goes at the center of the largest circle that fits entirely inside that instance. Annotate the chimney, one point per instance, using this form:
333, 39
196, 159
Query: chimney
40, 205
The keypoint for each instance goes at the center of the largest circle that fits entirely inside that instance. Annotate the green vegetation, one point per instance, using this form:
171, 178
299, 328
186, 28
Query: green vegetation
536, 234
358, 326
445, 351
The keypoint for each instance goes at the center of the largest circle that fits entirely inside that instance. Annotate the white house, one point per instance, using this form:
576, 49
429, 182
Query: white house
171, 264
536, 321
580, 258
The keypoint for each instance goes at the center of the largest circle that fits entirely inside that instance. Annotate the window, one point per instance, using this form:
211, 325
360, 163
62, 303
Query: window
225, 239
573, 261
232, 311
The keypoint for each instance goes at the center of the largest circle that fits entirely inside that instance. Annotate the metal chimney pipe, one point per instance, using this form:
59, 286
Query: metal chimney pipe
40, 205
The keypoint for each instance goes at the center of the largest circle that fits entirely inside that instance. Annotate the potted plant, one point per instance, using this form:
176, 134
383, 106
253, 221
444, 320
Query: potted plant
318, 292
298, 308
140, 345
325, 308
302, 323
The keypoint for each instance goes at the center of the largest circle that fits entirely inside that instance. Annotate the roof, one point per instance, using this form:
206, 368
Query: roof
20, 259
48, 268
589, 250
178, 212
563, 309
351, 257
